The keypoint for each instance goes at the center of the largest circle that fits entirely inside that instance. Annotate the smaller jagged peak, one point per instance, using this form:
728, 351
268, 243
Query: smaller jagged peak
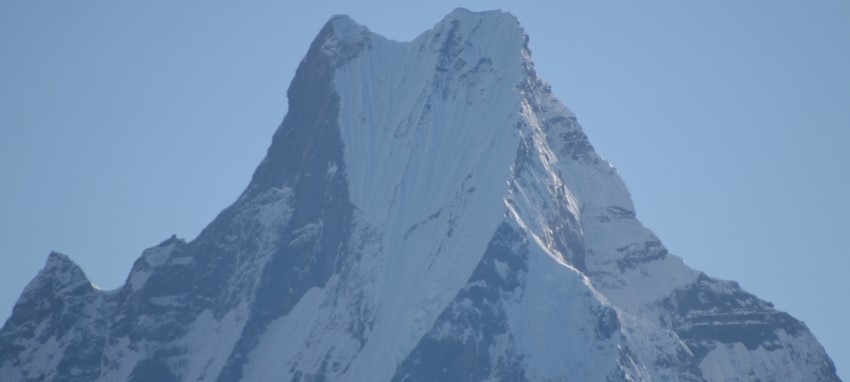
60, 274
158, 255
173, 239
490, 35
58, 259
155, 257
60, 264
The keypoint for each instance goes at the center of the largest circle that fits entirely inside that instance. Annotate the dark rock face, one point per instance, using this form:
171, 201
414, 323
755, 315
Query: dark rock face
303, 148
635, 254
710, 313
474, 330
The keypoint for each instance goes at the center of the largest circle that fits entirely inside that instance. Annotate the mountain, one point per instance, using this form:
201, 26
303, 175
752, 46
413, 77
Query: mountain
426, 211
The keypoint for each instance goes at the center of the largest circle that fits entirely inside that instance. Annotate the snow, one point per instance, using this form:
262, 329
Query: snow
424, 169
273, 207
210, 342
557, 304
318, 328
304, 234
48, 353
502, 268
287, 340
595, 188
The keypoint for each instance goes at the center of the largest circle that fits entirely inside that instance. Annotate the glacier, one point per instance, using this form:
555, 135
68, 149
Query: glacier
427, 210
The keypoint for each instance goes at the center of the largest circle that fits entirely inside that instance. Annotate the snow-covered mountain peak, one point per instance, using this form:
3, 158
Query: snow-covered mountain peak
427, 210
59, 262
60, 274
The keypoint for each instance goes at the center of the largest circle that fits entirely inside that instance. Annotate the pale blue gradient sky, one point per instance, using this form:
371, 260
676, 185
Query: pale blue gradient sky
121, 124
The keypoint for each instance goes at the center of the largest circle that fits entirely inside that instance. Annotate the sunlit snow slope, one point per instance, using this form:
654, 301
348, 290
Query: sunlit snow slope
427, 211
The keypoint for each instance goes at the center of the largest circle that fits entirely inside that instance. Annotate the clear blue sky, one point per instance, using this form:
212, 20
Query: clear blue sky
121, 124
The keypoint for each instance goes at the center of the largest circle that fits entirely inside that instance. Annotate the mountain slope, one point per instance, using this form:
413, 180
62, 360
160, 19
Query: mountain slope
426, 211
